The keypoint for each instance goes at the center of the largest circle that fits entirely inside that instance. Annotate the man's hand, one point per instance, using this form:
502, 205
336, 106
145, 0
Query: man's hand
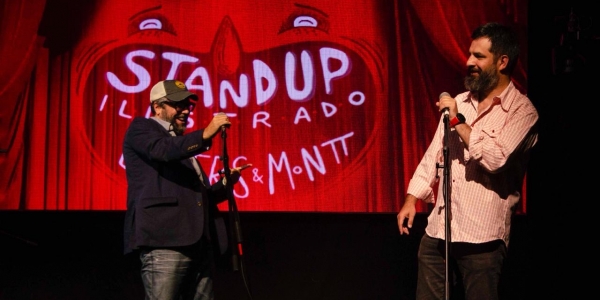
236, 173
447, 102
219, 120
407, 214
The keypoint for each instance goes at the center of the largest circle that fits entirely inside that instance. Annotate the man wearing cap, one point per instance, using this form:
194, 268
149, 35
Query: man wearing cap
171, 219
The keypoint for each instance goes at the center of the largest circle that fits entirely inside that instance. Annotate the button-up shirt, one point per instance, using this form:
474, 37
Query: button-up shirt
487, 177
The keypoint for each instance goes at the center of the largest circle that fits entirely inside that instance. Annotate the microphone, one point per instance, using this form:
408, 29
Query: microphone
445, 110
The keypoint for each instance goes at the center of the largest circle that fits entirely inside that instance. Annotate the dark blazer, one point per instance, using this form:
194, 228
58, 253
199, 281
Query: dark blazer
167, 204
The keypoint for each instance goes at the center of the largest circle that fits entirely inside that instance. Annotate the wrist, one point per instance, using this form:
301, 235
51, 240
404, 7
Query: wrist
458, 119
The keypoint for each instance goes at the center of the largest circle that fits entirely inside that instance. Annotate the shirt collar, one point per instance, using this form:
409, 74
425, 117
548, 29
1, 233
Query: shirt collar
166, 125
504, 97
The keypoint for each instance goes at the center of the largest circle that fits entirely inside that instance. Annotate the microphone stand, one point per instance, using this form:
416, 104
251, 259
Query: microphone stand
446, 192
234, 216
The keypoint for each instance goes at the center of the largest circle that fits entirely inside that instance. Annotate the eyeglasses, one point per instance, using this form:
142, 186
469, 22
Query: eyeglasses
181, 105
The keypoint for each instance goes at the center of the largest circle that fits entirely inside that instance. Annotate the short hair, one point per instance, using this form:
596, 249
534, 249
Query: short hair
504, 42
160, 101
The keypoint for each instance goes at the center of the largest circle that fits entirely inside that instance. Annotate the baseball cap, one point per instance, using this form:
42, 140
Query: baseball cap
173, 90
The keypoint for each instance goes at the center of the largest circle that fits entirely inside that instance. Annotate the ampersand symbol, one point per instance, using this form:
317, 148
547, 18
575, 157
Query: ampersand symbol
256, 177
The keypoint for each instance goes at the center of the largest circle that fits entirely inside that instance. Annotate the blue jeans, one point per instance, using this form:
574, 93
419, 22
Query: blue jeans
183, 273
476, 266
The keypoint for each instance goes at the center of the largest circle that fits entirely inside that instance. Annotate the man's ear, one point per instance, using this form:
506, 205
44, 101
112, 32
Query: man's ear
503, 62
155, 106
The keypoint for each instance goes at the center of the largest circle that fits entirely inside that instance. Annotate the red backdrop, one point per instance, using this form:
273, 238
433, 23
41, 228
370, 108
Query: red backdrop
332, 102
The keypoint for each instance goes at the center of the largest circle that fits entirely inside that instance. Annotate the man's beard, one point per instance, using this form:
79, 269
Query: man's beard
177, 128
485, 82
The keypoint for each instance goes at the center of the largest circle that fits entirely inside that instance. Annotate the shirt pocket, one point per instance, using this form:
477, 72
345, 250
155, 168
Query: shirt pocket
159, 201
492, 129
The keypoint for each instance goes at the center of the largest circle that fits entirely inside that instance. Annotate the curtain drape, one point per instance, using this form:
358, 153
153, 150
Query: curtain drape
19, 50
44, 163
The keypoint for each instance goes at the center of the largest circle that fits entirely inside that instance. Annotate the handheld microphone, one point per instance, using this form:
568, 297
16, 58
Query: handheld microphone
445, 110
225, 127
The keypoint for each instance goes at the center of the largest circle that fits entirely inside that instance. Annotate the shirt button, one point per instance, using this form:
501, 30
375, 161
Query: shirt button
199, 203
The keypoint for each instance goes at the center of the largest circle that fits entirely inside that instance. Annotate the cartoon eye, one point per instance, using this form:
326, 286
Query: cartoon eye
305, 21
150, 24
306, 18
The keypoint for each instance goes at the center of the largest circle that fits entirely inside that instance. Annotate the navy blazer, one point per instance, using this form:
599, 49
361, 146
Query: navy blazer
167, 204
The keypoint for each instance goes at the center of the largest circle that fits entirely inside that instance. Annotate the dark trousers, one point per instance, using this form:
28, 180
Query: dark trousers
474, 269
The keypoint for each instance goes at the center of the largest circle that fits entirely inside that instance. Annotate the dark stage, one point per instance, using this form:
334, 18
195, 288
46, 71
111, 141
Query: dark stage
77, 255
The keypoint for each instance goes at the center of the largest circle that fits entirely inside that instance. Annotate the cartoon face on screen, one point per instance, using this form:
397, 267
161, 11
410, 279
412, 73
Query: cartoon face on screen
304, 84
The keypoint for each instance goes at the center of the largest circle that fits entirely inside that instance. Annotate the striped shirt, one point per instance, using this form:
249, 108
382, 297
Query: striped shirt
487, 177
